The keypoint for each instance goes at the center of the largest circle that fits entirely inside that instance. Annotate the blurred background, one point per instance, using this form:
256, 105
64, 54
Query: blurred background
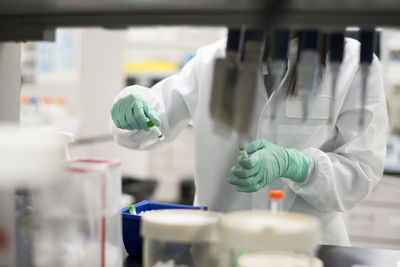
69, 85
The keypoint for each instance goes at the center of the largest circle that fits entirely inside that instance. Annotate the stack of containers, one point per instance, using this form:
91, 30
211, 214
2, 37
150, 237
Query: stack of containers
180, 238
29, 164
81, 224
109, 185
279, 237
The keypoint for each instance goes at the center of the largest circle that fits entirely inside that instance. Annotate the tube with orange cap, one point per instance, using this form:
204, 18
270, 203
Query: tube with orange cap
276, 199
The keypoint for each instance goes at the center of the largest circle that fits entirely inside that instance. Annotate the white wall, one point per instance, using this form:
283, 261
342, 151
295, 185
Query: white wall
10, 77
101, 77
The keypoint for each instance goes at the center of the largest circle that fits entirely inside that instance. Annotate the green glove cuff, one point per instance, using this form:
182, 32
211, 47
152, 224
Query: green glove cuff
297, 166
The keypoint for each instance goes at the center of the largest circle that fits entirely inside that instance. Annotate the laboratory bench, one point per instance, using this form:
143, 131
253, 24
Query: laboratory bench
335, 256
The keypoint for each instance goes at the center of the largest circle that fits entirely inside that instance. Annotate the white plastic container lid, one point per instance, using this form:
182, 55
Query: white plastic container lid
274, 259
29, 158
190, 226
262, 230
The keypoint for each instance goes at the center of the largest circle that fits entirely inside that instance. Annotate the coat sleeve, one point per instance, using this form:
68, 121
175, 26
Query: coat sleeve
340, 179
174, 98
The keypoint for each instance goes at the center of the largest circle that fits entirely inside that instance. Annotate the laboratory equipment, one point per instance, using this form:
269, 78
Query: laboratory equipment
132, 210
260, 231
182, 237
308, 69
247, 81
281, 259
29, 164
276, 198
243, 151
39, 21
366, 56
278, 66
224, 79
79, 222
155, 130
131, 223
336, 48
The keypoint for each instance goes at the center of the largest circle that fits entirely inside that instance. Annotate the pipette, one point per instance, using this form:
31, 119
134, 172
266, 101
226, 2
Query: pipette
225, 73
155, 130
366, 57
247, 82
308, 69
280, 48
336, 46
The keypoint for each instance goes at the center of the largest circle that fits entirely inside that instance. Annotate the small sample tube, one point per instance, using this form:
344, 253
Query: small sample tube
276, 199
132, 210
243, 151
155, 130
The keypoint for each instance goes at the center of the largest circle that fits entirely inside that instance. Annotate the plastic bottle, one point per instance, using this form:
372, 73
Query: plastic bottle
276, 197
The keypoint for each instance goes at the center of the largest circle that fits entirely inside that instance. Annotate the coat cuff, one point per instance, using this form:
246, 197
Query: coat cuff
312, 172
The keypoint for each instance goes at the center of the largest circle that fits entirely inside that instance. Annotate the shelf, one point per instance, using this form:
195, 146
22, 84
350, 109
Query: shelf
28, 18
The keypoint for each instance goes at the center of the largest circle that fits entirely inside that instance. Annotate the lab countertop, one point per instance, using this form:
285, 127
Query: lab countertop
334, 256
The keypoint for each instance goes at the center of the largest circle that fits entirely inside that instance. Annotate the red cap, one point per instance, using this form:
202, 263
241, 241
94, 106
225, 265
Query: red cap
25, 99
276, 194
46, 100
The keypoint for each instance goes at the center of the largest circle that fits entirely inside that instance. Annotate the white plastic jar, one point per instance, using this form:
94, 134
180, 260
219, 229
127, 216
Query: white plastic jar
180, 238
278, 258
261, 231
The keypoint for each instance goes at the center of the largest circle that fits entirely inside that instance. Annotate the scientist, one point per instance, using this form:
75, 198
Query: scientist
325, 169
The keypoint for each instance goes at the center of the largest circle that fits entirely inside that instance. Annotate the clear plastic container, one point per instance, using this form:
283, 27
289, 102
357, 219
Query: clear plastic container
29, 164
180, 238
276, 199
277, 259
261, 231
80, 222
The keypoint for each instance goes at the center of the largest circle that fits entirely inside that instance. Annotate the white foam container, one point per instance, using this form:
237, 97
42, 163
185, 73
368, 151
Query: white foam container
263, 231
180, 236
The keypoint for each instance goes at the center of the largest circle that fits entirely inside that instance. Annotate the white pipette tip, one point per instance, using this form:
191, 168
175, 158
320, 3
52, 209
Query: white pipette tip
243, 151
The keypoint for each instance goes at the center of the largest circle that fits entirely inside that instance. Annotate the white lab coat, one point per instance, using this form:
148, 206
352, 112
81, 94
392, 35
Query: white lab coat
347, 162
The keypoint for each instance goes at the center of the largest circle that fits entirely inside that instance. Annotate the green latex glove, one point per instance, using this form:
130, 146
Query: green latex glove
133, 113
267, 162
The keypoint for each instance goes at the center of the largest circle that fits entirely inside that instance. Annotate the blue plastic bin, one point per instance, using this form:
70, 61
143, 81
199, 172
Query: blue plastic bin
131, 223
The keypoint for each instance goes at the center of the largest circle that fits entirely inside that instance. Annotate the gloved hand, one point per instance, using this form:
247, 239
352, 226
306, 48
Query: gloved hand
267, 162
133, 112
